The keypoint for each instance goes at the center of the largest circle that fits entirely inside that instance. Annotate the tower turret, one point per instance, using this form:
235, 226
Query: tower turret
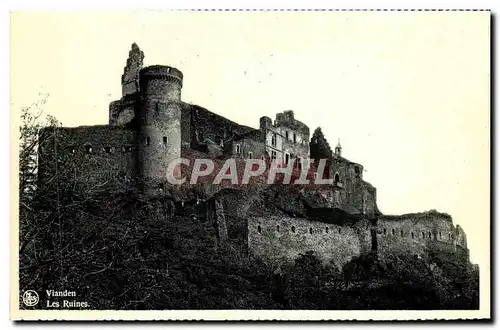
338, 149
160, 121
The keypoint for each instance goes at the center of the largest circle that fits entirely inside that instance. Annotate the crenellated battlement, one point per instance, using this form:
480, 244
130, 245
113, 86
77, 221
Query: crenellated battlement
161, 72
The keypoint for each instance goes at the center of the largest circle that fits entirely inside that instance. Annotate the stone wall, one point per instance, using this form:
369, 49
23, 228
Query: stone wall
286, 119
123, 111
274, 143
287, 136
186, 127
295, 134
280, 240
130, 77
415, 234
247, 145
460, 237
98, 157
359, 197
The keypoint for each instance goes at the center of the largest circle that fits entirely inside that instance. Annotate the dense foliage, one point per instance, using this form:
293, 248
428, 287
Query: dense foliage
128, 255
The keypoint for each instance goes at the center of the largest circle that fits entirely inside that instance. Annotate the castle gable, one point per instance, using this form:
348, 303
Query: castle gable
130, 77
319, 146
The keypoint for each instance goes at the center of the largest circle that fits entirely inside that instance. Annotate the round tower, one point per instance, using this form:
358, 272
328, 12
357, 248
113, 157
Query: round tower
160, 122
265, 123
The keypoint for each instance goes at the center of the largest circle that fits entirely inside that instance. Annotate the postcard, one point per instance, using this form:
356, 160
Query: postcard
250, 165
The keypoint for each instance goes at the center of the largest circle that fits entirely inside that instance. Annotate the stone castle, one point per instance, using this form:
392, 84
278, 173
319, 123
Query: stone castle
149, 126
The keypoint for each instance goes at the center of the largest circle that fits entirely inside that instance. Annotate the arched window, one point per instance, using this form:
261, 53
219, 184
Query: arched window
273, 140
412, 235
393, 232
293, 229
358, 231
286, 135
165, 140
440, 236
278, 228
148, 140
402, 233
385, 231
250, 155
423, 235
294, 138
327, 229
238, 149
430, 235
339, 231
259, 229
337, 178
310, 230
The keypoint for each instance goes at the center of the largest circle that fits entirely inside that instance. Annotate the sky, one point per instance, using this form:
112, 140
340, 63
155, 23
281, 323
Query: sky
407, 93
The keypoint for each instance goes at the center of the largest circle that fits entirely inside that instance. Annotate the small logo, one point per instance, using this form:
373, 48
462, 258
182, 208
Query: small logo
30, 298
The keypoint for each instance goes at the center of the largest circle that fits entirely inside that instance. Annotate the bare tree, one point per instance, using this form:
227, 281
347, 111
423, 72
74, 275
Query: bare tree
30, 229
32, 121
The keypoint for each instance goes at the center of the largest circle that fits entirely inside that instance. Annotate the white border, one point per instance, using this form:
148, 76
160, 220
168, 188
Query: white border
185, 4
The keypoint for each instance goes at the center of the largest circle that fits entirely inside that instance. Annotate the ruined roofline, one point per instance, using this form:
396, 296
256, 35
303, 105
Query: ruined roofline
196, 107
346, 160
330, 216
417, 216
88, 127
287, 118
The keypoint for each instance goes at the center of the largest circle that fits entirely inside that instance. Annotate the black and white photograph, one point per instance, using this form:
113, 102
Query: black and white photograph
250, 165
